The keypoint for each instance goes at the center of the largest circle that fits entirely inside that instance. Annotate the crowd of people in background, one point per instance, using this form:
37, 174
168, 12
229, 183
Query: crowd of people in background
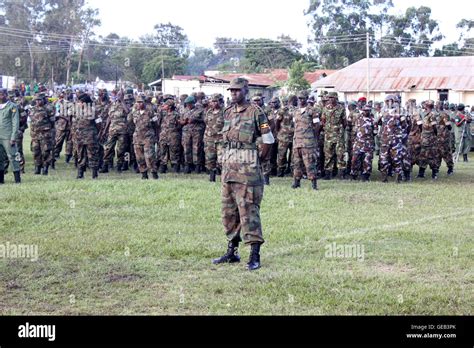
151, 133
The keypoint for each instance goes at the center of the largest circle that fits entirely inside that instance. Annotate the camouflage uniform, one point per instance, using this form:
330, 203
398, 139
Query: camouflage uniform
444, 141
463, 132
305, 144
212, 136
63, 128
102, 112
286, 130
192, 138
363, 147
86, 135
118, 135
429, 153
350, 134
391, 143
170, 138
9, 125
42, 126
144, 138
334, 138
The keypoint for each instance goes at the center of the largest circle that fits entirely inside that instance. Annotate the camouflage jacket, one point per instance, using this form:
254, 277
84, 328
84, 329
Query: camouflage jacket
145, 122
429, 129
365, 129
117, 119
242, 126
334, 123
391, 132
196, 119
170, 127
214, 122
304, 135
444, 127
285, 125
41, 120
85, 125
64, 115
415, 129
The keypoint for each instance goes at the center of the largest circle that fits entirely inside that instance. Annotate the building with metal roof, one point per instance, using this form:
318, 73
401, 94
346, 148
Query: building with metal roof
420, 78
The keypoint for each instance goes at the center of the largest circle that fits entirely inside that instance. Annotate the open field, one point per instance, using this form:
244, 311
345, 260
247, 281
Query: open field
121, 245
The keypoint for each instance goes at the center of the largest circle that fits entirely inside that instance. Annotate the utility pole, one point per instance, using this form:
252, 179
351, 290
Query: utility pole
368, 68
162, 73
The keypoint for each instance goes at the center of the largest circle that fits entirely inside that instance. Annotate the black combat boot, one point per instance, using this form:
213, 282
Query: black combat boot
218, 171
465, 157
175, 168
450, 170
212, 175
198, 169
163, 168
135, 168
45, 170
231, 256
68, 158
384, 178
104, 169
281, 173
17, 177
334, 173
342, 175
314, 184
95, 173
407, 175
254, 259
119, 167
124, 166
53, 164
187, 169
327, 175
80, 173
76, 162
434, 174
37, 170
296, 183
266, 179
365, 177
390, 171
421, 173
399, 178
154, 175
145, 175
2, 176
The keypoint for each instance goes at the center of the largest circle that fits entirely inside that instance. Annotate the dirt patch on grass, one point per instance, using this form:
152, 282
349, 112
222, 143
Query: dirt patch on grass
111, 278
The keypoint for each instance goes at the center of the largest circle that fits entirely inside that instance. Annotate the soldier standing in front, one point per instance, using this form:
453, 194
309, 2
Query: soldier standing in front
242, 178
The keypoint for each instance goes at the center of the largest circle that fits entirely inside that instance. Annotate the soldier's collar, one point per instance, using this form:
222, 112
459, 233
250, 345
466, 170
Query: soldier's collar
241, 108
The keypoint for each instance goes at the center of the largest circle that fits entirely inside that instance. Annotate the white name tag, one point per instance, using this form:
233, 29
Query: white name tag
154, 119
316, 120
99, 120
419, 122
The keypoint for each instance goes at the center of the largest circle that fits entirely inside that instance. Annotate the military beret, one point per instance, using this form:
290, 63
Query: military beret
302, 94
361, 99
352, 103
238, 83
190, 99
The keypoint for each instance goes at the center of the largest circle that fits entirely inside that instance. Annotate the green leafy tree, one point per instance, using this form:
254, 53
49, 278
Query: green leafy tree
296, 81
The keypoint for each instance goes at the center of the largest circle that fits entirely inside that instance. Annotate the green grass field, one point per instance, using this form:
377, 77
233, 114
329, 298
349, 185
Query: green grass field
120, 245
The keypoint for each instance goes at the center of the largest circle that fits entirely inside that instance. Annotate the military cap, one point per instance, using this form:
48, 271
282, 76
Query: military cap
216, 97
201, 94
256, 98
332, 95
238, 83
352, 103
302, 94
390, 97
259, 94
190, 99
275, 100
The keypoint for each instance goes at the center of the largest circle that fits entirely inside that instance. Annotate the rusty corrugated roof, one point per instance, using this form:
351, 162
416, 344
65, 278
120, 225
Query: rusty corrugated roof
404, 74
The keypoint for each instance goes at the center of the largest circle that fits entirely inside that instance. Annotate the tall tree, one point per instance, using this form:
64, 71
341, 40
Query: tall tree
296, 81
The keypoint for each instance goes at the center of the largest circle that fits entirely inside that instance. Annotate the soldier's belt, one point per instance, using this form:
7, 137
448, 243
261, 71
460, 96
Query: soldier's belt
239, 145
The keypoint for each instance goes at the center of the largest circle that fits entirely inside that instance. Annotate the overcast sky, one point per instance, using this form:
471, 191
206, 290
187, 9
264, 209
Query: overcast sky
204, 20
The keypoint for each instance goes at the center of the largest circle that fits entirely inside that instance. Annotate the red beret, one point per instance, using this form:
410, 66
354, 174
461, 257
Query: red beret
362, 99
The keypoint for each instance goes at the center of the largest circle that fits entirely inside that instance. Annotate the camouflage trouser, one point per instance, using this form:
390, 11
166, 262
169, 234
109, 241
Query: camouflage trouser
61, 137
284, 154
406, 158
334, 152
109, 148
414, 150
305, 158
146, 156
193, 146
213, 151
241, 212
88, 154
429, 155
390, 157
445, 153
361, 161
349, 146
9, 153
170, 150
42, 149
130, 155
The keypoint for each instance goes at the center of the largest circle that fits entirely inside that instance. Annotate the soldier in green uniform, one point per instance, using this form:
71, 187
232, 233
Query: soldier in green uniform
170, 135
285, 130
242, 179
463, 132
42, 126
193, 124
429, 144
9, 125
212, 136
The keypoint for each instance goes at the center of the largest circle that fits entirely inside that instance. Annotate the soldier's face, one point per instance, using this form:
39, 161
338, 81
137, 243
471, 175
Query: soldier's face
332, 100
237, 95
214, 104
140, 105
302, 102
